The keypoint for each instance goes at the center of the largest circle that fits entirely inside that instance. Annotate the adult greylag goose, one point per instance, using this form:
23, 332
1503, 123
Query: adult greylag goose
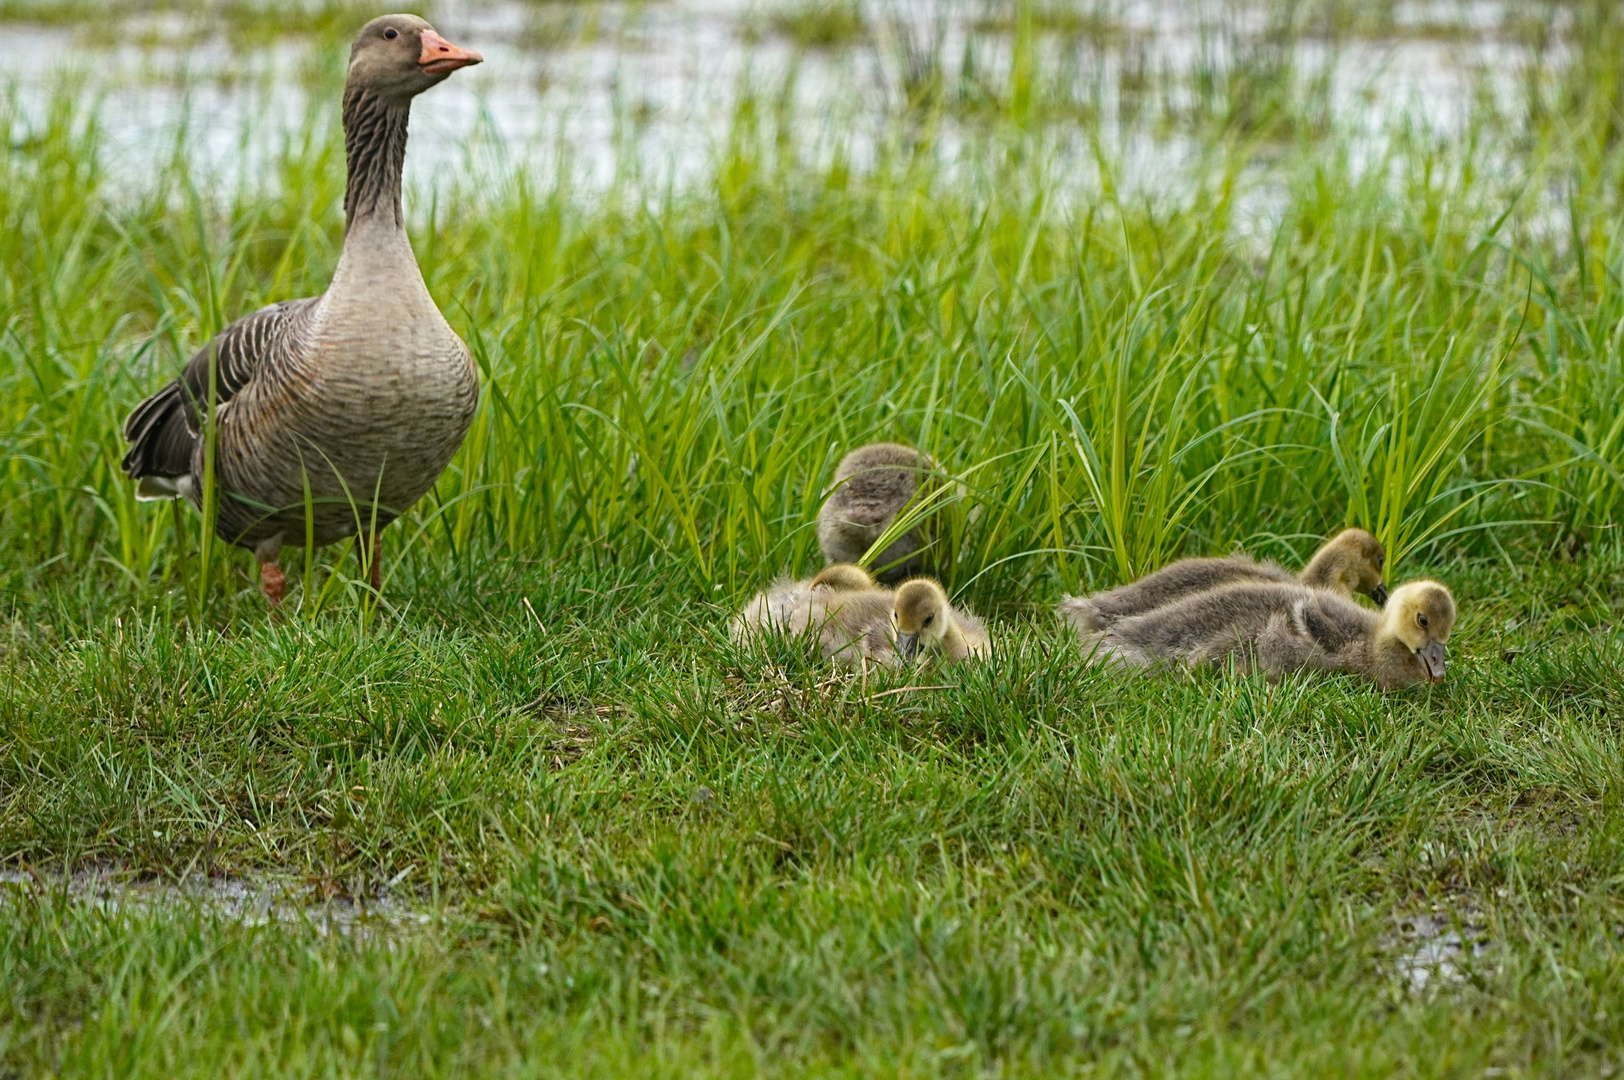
1350, 562
1279, 627
358, 397
873, 484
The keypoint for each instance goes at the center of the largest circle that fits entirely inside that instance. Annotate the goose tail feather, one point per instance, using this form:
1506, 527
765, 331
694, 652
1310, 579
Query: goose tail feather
161, 443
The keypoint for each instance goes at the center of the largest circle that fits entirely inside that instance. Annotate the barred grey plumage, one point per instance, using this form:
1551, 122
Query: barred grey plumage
163, 430
357, 398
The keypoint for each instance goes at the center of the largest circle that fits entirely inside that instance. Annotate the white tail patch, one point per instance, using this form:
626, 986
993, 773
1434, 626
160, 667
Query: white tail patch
157, 488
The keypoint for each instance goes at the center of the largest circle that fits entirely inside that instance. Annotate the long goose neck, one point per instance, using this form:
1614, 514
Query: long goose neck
374, 154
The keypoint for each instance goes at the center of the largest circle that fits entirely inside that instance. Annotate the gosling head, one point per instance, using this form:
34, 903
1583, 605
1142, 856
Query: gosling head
843, 577
1352, 563
1420, 614
919, 616
400, 56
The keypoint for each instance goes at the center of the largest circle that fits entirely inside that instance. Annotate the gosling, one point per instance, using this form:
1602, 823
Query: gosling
774, 607
923, 621
1351, 562
1279, 627
872, 485
858, 626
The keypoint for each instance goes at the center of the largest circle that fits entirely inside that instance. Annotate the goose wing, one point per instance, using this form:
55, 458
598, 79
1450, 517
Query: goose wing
1332, 623
162, 431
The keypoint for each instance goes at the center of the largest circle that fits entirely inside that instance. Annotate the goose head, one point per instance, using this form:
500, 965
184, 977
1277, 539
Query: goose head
843, 577
919, 616
400, 56
1420, 615
1351, 563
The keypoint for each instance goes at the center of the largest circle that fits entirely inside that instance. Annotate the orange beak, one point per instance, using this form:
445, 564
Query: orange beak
440, 57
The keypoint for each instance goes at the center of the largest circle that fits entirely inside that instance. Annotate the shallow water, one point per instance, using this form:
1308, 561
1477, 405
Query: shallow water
648, 98
1436, 949
251, 900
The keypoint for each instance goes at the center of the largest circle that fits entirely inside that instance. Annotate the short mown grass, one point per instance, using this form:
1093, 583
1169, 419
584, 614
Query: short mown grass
642, 845
644, 849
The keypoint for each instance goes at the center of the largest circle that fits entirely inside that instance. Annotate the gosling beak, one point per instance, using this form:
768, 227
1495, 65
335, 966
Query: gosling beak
1379, 594
1432, 658
908, 645
440, 57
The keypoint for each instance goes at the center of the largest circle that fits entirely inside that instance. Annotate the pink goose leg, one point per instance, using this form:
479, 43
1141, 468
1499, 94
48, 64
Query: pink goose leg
271, 579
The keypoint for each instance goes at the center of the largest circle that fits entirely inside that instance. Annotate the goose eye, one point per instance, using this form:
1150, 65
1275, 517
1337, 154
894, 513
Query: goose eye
391, 33
929, 619
1422, 619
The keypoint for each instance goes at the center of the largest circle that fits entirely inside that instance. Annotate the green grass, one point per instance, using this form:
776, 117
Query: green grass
646, 850
818, 24
1094, 22
1039, 866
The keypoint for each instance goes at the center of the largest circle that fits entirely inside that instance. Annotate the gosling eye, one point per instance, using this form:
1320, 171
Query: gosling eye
391, 33
1421, 618
1380, 562
929, 619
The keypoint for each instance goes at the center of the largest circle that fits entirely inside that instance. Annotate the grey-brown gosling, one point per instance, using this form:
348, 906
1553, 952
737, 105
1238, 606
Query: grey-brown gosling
774, 607
872, 485
1351, 562
1279, 627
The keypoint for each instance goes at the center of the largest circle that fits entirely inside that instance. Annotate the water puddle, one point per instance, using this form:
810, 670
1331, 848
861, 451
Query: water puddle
1437, 949
249, 900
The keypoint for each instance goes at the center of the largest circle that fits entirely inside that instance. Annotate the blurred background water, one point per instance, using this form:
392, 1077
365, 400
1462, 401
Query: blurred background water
594, 94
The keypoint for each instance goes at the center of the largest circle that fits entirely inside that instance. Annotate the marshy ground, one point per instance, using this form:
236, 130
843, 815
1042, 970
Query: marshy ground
1151, 286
